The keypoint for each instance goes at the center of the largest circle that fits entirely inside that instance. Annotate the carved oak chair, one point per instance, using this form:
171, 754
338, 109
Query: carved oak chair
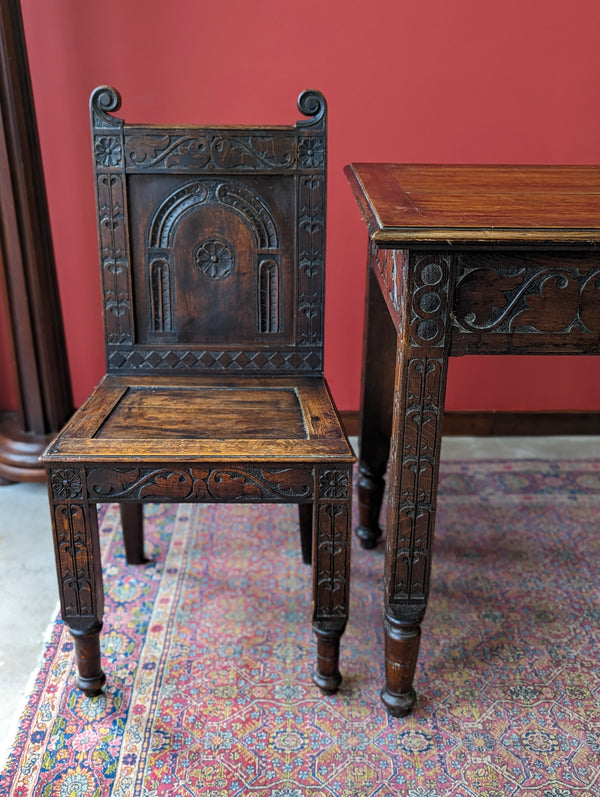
212, 244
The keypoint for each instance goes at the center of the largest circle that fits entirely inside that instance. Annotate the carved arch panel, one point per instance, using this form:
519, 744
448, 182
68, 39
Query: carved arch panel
229, 265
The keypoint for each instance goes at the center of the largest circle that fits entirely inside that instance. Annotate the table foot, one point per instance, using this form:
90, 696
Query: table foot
398, 705
401, 654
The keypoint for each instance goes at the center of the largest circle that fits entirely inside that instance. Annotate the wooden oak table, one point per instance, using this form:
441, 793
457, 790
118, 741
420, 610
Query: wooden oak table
462, 260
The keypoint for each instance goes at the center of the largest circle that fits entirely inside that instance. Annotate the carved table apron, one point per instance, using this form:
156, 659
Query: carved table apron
462, 260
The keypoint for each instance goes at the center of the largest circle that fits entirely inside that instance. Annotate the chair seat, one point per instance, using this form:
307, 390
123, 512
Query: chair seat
242, 419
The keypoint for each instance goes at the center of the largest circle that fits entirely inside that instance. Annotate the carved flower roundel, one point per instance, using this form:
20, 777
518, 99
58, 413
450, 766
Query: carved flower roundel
214, 259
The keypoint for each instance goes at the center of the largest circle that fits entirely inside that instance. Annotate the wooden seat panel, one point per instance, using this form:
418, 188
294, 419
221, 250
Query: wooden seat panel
192, 413
160, 418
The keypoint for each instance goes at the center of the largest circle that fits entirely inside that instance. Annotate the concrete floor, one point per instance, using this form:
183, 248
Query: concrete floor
28, 593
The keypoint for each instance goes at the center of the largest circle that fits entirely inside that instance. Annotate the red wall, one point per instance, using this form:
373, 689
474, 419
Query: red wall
429, 81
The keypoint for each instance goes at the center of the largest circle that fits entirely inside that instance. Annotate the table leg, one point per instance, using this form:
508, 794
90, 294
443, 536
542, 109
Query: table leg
376, 411
419, 392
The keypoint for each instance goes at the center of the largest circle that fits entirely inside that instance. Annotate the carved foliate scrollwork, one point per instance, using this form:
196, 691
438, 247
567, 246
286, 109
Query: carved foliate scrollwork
523, 298
332, 557
112, 214
332, 548
200, 484
115, 258
311, 259
194, 150
414, 495
75, 568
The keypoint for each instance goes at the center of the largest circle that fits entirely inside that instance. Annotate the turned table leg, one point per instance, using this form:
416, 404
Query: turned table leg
376, 411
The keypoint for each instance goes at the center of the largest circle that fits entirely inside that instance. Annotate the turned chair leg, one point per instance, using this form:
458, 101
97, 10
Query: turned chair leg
90, 677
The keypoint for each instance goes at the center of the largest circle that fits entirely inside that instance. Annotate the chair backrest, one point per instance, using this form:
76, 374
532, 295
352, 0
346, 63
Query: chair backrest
212, 243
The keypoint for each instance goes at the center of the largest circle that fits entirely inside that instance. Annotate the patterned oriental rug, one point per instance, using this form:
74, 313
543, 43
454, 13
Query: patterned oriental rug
209, 652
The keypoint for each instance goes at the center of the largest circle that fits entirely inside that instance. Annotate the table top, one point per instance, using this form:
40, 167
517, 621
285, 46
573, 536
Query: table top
444, 204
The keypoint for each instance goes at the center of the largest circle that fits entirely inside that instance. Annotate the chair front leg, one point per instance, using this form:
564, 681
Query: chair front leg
331, 571
79, 571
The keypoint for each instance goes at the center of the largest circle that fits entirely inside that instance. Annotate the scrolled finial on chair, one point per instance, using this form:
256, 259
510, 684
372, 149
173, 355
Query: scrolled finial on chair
105, 100
312, 103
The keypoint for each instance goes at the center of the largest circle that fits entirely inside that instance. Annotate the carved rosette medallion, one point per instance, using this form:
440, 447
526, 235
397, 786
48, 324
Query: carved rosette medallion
107, 150
311, 152
65, 484
214, 259
430, 300
333, 484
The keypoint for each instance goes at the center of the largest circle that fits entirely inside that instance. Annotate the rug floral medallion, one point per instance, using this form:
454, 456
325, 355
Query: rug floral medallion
209, 651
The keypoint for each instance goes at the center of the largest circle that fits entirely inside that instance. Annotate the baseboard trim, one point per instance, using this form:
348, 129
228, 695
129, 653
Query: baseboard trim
519, 424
